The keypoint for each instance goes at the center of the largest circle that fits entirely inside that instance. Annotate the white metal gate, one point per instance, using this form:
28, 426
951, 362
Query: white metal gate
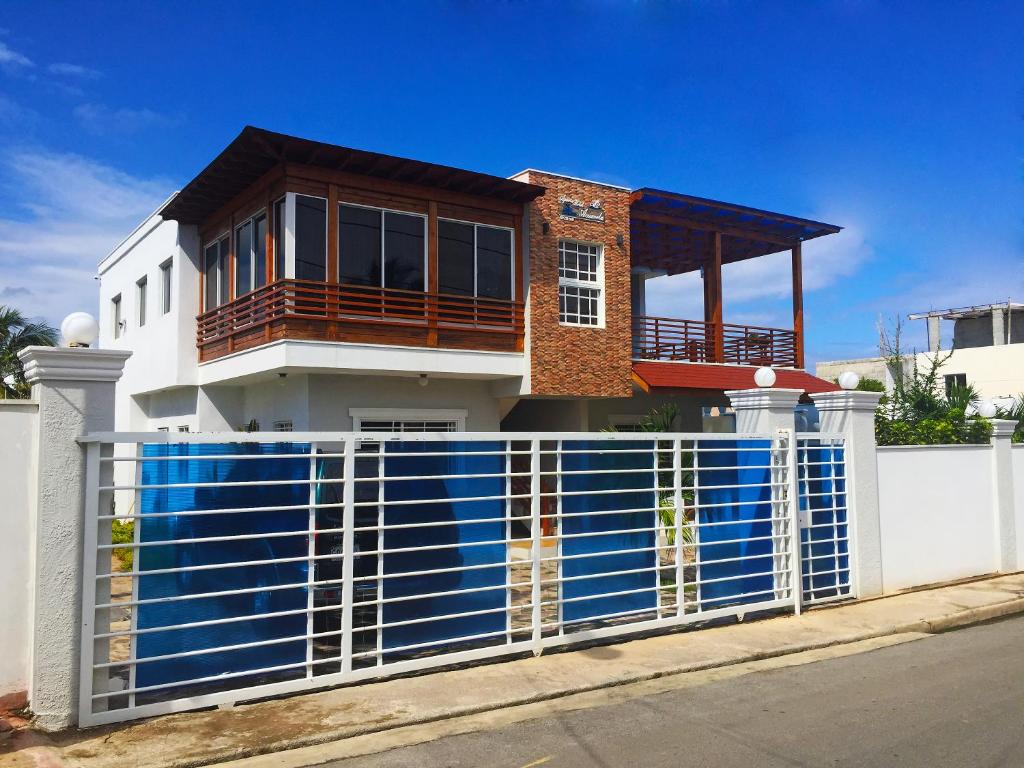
247, 566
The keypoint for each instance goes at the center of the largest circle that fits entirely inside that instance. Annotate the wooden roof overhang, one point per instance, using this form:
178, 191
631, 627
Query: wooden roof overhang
255, 152
673, 233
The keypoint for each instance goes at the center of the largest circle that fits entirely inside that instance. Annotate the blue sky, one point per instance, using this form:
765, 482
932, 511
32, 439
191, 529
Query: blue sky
902, 122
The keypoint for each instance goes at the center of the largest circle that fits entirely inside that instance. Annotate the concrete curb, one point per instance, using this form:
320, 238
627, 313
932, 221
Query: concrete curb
962, 618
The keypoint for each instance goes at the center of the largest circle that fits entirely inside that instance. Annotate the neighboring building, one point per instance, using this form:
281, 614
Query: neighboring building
297, 285
986, 351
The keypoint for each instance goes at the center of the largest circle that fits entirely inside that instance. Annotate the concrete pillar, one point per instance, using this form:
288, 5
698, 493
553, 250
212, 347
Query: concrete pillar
1002, 494
764, 410
852, 415
934, 341
998, 327
75, 392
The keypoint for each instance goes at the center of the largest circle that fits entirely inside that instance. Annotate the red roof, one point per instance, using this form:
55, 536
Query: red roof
660, 375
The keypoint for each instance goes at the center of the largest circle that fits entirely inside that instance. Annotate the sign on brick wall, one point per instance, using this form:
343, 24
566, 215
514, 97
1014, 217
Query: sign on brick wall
572, 209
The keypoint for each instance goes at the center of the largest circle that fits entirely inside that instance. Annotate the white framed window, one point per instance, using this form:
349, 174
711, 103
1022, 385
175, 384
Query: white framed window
580, 284
183, 428
626, 422
163, 429
115, 316
285, 425
408, 419
141, 286
166, 275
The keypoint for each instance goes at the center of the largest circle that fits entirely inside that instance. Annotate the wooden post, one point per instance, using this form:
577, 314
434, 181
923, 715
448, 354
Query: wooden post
432, 283
798, 306
713, 313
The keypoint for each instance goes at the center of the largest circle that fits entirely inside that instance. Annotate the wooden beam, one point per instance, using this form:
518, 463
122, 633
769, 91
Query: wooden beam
332, 233
798, 304
700, 225
432, 281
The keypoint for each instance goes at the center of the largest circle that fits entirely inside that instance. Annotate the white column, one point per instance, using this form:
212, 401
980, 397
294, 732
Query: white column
852, 414
75, 391
764, 410
1002, 494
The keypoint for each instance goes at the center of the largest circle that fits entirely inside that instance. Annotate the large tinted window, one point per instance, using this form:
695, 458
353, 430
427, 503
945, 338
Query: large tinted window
310, 238
211, 257
455, 258
403, 251
359, 245
494, 263
243, 259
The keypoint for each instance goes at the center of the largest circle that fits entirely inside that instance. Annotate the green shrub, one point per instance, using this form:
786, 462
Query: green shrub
123, 532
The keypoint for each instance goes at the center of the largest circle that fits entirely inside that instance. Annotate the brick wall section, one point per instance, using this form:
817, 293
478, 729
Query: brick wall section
569, 360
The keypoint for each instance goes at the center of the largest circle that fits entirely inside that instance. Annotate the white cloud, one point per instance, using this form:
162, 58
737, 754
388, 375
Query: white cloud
72, 70
100, 119
826, 260
11, 58
75, 211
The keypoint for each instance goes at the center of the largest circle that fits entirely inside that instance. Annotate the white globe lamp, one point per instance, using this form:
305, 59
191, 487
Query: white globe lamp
764, 377
79, 329
987, 409
848, 380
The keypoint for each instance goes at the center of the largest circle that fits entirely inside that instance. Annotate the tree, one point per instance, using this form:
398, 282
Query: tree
16, 333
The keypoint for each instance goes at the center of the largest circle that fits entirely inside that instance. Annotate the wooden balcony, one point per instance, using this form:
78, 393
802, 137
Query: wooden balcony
306, 310
666, 338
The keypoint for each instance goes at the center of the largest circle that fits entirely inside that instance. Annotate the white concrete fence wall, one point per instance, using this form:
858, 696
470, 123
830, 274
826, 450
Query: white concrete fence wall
18, 428
917, 515
950, 512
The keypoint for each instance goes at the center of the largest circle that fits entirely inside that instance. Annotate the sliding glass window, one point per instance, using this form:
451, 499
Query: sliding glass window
251, 254
379, 248
474, 260
310, 238
215, 271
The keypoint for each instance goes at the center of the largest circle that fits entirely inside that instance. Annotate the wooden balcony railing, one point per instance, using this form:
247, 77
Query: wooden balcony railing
666, 338
301, 309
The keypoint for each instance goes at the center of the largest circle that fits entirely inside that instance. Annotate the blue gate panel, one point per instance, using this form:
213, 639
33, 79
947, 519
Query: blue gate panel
598, 455
824, 550
184, 554
746, 506
459, 539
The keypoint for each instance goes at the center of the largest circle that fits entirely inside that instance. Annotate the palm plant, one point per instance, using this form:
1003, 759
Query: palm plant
1014, 411
16, 333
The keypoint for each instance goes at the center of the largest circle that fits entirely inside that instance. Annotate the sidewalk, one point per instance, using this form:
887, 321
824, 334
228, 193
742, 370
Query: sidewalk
201, 738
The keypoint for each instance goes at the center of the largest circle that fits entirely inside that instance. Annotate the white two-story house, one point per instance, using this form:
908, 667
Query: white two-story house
297, 285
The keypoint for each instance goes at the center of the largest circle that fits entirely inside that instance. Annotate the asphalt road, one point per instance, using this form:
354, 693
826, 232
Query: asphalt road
955, 699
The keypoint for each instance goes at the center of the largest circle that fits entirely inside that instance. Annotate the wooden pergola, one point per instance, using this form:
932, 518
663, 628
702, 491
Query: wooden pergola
673, 234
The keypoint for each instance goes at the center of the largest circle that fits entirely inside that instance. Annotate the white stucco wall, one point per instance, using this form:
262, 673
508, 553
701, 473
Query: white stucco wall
994, 371
18, 425
937, 514
331, 397
163, 350
1017, 452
